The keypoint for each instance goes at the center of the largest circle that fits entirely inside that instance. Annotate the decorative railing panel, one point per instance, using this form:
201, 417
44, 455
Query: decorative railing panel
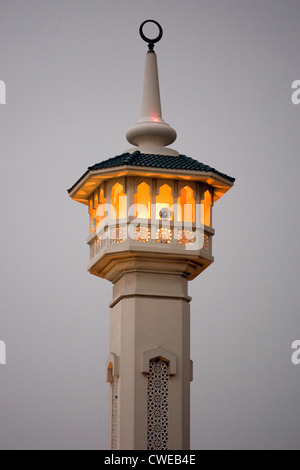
155, 235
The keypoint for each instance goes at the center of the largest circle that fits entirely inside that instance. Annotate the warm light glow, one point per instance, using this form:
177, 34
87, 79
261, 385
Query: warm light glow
119, 202
186, 205
206, 239
164, 235
92, 213
101, 209
164, 200
186, 237
142, 234
118, 235
97, 210
206, 209
142, 201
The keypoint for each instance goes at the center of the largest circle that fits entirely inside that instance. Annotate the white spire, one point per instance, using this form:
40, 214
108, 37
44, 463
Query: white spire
151, 107
151, 134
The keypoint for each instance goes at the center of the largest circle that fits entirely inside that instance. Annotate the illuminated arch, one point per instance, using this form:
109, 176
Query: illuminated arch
206, 208
164, 199
112, 367
92, 215
118, 202
160, 353
187, 205
101, 208
142, 201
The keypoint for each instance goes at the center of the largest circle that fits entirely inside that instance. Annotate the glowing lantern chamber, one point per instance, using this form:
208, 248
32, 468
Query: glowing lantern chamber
168, 206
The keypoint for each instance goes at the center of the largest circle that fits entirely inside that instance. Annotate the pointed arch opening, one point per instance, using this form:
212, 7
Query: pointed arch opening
142, 201
101, 208
186, 205
164, 200
92, 213
118, 202
206, 208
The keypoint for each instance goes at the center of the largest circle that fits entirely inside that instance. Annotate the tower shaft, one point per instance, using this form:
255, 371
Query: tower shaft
150, 367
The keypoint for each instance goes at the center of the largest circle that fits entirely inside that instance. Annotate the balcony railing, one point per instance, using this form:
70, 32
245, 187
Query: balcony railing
159, 236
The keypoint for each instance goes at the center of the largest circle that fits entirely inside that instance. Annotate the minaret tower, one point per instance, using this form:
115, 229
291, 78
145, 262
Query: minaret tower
150, 233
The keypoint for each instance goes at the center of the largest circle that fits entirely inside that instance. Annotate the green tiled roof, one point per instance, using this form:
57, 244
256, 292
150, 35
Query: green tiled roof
182, 162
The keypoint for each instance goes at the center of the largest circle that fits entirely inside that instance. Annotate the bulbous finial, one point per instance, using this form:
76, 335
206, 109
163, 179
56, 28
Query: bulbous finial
151, 42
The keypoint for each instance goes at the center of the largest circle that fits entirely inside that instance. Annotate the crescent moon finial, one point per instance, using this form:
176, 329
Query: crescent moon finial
151, 41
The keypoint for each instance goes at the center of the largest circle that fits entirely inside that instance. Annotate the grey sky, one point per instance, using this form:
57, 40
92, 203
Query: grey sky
73, 71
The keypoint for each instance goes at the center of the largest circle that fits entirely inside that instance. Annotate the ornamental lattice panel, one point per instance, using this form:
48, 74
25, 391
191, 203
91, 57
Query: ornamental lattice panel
115, 407
158, 405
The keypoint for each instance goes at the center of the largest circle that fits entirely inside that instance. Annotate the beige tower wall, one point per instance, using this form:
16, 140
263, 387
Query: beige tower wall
150, 317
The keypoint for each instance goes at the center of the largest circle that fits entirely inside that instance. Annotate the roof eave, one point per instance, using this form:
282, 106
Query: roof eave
85, 186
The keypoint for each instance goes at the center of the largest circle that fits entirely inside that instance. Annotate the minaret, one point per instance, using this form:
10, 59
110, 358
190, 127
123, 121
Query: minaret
150, 233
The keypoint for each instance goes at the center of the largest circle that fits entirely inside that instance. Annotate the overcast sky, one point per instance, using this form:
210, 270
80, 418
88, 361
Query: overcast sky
73, 71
